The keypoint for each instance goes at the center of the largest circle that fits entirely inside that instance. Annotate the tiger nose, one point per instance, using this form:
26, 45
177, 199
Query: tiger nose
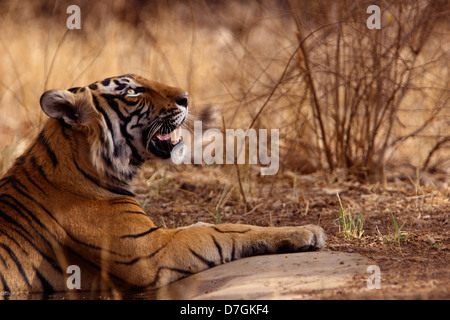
182, 100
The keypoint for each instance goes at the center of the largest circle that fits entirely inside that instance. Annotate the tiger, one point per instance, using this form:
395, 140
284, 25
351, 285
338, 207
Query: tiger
68, 199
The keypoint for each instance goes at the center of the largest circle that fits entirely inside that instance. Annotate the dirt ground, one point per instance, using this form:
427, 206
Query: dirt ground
413, 252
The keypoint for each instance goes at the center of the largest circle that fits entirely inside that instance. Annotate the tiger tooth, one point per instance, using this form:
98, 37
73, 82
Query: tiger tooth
175, 135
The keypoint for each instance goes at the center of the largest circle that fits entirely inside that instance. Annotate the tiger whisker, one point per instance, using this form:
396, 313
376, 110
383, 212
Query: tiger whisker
185, 125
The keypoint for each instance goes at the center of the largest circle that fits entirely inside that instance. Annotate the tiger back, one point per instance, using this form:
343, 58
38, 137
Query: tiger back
68, 200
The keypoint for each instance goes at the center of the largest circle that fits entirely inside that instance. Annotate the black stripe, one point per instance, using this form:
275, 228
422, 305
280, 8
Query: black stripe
17, 263
107, 159
41, 139
22, 210
219, 248
20, 160
139, 234
124, 78
5, 286
13, 181
186, 272
108, 187
53, 263
106, 82
36, 202
137, 125
120, 86
161, 268
124, 100
129, 176
14, 240
138, 109
3, 261
203, 259
110, 99
12, 221
74, 90
254, 249
233, 251
45, 284
40, 170
125, 202
59, 224
133, 261
17, 204
145, 114
107, 120
135, 212
64, 126
27, 175
230, 231
95, 266
4, 182
140, 115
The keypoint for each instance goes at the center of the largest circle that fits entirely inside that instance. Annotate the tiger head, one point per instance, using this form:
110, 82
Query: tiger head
125, 120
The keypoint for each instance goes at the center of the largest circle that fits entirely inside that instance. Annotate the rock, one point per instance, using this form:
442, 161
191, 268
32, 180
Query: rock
430, 240
277, 205
291, 276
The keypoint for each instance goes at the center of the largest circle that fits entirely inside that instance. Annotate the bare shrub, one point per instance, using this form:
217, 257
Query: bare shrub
342, 96
358, 80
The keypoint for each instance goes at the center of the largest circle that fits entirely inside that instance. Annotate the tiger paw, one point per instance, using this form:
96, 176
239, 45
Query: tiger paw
305, 238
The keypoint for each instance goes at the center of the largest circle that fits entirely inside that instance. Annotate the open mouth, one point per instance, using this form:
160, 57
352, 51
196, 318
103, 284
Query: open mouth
161, 145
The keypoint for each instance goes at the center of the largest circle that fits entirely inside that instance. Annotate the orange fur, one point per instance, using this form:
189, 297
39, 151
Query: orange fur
67, 199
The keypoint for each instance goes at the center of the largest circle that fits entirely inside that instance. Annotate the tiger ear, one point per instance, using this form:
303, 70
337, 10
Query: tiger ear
60, 104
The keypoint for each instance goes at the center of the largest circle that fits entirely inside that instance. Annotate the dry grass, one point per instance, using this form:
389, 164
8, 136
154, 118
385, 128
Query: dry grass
344, 96
354, 102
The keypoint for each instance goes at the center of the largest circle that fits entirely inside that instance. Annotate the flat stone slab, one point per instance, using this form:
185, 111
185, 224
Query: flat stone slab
281, 276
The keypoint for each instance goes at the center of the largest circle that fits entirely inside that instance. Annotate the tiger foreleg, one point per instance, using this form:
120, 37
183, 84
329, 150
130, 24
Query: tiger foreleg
195, 249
